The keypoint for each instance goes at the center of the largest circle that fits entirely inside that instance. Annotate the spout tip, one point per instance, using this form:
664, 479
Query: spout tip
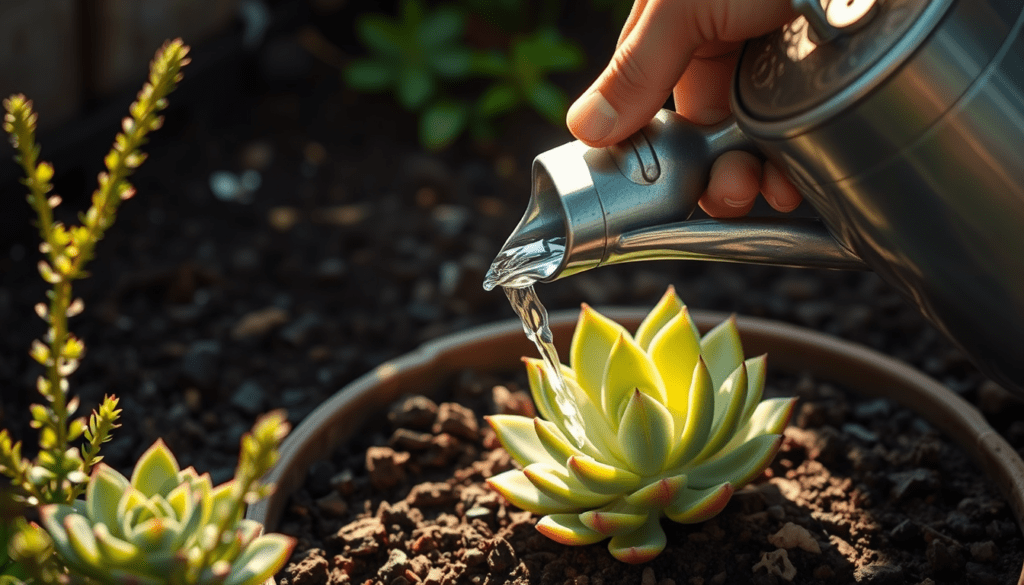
519, 265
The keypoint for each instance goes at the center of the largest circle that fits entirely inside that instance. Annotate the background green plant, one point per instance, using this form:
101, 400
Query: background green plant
422, 58
69, 447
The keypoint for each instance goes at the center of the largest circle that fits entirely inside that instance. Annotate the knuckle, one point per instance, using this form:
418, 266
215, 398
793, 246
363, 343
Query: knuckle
632, 77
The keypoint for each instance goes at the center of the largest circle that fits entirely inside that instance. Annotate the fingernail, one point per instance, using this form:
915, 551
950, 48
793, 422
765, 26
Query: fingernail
597, 117
735, 202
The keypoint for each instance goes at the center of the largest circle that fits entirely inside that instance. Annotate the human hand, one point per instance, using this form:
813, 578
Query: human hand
689, 48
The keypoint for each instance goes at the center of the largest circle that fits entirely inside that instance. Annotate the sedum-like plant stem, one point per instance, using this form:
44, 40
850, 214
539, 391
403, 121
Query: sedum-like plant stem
59, 473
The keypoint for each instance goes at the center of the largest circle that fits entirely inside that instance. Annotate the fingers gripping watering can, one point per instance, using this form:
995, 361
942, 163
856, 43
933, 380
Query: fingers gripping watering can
900, 121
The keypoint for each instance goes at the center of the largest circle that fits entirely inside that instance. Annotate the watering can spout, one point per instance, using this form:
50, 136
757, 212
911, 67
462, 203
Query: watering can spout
593, 207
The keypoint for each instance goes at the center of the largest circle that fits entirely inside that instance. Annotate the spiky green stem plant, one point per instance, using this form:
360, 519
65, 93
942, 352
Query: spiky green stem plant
59, 473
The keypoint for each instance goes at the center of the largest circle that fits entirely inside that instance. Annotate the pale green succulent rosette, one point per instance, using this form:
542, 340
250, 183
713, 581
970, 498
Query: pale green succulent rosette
159, 528
674, 423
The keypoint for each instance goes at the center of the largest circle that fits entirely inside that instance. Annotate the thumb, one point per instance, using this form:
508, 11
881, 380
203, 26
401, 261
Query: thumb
646, 66
652, 55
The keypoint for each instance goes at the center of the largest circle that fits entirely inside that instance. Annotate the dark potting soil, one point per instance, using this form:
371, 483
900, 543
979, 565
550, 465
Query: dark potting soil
862, 491
204, 310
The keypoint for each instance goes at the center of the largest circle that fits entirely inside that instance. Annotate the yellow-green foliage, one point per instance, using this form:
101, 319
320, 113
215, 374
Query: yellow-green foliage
674, 423
165, 525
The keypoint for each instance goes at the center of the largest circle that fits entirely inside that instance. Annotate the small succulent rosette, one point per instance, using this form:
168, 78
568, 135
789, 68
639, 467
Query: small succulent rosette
674, 424
162, 527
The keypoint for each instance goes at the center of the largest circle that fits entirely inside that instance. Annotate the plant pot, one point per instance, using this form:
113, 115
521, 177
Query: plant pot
499, 347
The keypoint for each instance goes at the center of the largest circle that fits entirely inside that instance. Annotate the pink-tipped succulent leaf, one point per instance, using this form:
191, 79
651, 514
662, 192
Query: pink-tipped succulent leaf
675, 422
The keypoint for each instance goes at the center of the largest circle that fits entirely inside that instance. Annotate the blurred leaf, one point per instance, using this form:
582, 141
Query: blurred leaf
415, 87
549, 101
490, 63
441, 27
547, 50
442, 123
453, 63
380, 34
497, 99
369, 75
412, 15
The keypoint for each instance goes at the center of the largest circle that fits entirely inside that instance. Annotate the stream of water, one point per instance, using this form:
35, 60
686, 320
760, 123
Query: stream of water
515, 271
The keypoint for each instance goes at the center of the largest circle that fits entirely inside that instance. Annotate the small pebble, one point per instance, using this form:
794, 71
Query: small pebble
249, 398
983, 552
792, 536
332, 505
258, 323
879, 574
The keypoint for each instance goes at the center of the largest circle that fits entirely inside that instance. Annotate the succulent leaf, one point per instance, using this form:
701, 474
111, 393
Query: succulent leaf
591, 345
517, 489
555, 482
518, 435
722, 350
629, 368
667, 308
698, 505
156, 472
540, 389
739, 466
614, 518
770, 417
603, 478
83, 541
568, 529
675, 351
673, 422
103, 493
554, 441
700, 414
261, 559
645, 434
114, 550
53, 516
657, 494
641, 545
184, 531
729, 402
756, 372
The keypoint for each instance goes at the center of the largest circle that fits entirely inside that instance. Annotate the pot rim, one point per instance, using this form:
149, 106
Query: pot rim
499, 345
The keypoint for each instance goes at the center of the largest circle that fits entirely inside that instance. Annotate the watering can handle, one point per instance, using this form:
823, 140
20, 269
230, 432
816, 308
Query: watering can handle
800, 242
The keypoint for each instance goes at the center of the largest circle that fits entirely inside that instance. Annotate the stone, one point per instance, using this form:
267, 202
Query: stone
413, 412
944, 559
385, 466
362, 537
984, 552
776, 563
332, 505
313, 569
257, 324
792, 536
457, 420
250, 398
963, 526
298, 331
913, 483
395, 567
200, 363
431, 494
501, 556
409, 440
879, 574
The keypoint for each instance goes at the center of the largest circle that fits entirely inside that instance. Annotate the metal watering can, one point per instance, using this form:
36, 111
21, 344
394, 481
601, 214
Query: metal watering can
900, 121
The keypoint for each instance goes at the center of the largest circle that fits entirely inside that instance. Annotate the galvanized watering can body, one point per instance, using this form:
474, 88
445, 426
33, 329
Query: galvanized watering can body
904, 130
